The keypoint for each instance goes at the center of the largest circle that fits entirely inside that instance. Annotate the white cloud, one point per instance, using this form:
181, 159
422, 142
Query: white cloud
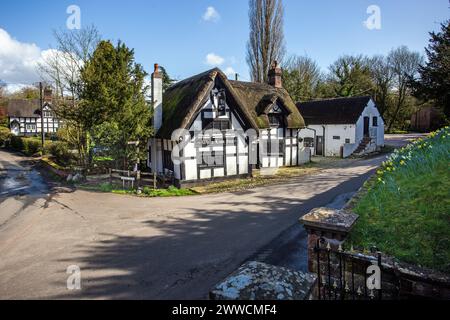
211, 15
213, 59
18, 60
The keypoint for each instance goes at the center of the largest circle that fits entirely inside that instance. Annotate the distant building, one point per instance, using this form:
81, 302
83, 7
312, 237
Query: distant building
342, 127
24, 116
426, 120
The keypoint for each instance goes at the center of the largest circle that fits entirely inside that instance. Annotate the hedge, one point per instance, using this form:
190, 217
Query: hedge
29, 146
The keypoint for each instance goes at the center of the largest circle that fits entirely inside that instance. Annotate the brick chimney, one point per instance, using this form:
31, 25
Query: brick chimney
48, 94
157, 96
275, 75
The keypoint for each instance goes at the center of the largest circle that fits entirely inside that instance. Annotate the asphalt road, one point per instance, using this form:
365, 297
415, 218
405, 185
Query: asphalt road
164, 248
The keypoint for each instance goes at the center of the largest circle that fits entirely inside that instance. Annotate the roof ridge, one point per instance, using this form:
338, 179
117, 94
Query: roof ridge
199, 75
338, 98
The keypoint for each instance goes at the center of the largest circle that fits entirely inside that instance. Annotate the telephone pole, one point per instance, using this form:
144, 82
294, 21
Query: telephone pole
42, 115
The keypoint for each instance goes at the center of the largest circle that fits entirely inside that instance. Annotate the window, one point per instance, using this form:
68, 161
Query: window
275, 120
269, 147
308, 142
336, 138
167, 160
211, 159
30, 126
347, 140
375, 121
47, 114
217, 124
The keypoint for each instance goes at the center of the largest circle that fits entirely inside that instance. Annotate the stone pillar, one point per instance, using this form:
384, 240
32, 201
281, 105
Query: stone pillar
331, 224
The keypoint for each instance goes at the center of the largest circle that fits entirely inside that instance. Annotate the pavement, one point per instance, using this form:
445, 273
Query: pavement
160, 248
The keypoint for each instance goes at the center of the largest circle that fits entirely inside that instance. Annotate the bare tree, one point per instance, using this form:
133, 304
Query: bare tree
382, 77
266, 43
62, 67
350, 76
405, 67
301, 76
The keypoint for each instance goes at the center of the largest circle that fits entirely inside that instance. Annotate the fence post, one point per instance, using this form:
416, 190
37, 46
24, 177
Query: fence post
110, 176
331, 224
138, 179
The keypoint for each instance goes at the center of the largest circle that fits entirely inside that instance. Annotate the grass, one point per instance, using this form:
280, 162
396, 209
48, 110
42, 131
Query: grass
406, 210
257, 180
146, 191
52, 163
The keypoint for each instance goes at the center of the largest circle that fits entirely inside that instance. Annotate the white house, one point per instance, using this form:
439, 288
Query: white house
342, 127
25, 117
223, 129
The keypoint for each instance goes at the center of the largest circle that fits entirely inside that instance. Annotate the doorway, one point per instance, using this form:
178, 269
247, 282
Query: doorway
366, 126
319, 146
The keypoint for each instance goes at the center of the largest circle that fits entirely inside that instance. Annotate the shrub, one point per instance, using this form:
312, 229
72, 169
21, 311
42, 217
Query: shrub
31, 146
5, 134
61, 153
16, 143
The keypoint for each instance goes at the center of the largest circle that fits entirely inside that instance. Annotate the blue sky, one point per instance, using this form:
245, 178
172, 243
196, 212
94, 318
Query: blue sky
175, 34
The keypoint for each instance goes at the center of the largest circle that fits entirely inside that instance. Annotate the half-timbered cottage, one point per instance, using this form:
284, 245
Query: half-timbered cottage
24, 117
221, 128
342, 127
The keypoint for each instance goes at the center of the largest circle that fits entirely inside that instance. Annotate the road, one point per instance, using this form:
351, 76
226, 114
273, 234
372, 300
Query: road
138, 248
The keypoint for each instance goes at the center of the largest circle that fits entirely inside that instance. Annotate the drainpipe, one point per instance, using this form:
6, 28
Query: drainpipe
323, 143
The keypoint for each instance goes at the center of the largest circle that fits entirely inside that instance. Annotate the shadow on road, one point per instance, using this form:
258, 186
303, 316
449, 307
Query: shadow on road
189, 256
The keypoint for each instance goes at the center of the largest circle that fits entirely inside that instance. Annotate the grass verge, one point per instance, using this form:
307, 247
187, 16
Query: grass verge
258, 180
406, 209
146, 191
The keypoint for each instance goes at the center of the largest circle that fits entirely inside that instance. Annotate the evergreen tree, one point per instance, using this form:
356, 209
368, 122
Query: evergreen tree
113, 102
434, 83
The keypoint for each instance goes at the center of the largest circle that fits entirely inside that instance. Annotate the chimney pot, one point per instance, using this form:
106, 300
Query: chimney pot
275, 75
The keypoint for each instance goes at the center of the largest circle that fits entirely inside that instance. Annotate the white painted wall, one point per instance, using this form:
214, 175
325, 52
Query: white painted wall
294, 152
353, 132
371, 111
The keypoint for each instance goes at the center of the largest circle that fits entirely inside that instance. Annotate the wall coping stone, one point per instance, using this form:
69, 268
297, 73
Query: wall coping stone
330, 220
260, 281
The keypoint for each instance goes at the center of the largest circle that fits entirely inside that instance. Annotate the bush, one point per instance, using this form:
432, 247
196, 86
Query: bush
5, 134
31, 146
60, 152
16, 143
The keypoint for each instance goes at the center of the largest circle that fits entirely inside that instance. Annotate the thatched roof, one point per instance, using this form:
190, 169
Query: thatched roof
257, 97
23, 108
334, 111
183, 101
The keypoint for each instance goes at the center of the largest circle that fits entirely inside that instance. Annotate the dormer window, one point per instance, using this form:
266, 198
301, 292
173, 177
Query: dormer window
219, 102
276, 117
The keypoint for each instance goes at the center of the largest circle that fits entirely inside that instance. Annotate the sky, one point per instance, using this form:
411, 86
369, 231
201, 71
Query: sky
191, 36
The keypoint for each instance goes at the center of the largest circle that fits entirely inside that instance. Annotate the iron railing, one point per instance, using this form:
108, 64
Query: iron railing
342, 276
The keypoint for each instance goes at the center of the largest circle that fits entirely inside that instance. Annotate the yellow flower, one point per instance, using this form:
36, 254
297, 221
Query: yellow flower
402, 162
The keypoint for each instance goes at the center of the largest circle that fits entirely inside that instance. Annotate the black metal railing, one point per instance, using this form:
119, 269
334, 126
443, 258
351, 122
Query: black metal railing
342, 276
